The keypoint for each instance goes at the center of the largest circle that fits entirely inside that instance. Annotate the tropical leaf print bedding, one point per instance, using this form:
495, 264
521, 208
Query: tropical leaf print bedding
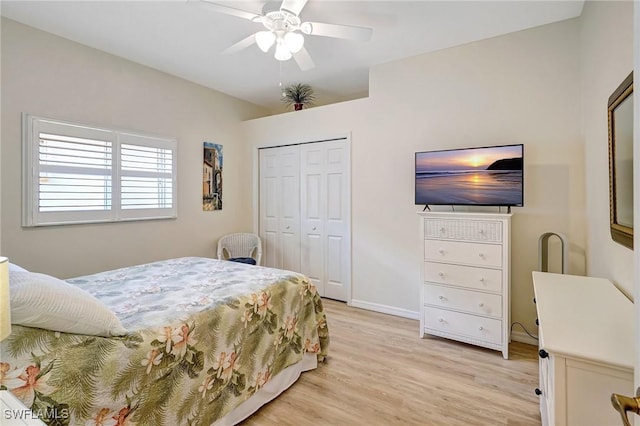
204, 335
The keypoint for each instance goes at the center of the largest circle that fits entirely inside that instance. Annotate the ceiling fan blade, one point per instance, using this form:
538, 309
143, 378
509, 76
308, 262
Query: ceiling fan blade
242, 44
303, 59
338, 31
293, 6
231, 11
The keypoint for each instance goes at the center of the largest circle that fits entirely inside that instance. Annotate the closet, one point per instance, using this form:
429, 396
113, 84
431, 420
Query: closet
304, 212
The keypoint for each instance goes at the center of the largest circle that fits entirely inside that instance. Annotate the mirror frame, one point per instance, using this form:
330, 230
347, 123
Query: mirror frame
620, 233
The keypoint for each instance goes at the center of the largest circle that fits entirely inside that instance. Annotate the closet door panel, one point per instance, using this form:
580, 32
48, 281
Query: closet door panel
312, 207
269, 207
337, 222
280, 207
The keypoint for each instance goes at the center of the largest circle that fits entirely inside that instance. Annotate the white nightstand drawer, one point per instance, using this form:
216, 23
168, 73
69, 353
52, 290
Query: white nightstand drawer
463, 300
489, 255
463, 230
464, 276
468, 325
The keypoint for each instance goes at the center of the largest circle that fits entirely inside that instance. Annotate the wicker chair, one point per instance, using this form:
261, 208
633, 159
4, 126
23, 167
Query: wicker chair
240, 247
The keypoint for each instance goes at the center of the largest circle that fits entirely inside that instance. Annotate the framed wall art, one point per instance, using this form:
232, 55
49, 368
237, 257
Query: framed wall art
212, 177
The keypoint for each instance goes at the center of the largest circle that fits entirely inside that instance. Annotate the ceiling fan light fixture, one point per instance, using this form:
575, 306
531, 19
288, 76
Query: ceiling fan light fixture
282, 53
294, 41
265, 39
306, 28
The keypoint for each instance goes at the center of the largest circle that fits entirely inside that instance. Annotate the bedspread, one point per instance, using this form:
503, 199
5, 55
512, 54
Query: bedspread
204, 335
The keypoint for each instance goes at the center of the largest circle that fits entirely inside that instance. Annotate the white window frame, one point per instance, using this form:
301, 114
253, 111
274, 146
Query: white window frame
32, 216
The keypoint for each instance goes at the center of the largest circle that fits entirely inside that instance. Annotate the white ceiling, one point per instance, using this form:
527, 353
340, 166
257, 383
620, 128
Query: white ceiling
185, 38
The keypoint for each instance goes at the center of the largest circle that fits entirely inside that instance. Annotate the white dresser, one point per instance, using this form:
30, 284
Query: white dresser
586, 349
466, 278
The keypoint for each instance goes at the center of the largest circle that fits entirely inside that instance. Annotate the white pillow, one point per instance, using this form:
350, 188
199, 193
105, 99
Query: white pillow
39, 300
15, 268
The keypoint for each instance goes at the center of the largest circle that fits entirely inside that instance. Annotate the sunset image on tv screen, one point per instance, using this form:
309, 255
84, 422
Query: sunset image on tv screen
481, 176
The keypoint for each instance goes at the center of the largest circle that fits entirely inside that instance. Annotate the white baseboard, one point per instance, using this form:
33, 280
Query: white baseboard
517, 336
522, 337
385, 309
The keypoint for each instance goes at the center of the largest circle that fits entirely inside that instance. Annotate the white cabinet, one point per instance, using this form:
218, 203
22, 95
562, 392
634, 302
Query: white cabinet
466, 278
586, 349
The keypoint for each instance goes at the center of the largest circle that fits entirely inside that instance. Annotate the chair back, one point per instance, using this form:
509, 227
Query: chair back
240, 244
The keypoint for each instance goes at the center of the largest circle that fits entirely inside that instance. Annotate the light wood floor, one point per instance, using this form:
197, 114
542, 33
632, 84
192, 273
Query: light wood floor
379, 372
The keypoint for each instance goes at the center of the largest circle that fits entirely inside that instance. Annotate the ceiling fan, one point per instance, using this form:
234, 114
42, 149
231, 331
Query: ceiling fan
285, 30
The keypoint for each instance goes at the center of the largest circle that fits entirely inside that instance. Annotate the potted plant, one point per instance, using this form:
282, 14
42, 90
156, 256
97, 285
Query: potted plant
299, 95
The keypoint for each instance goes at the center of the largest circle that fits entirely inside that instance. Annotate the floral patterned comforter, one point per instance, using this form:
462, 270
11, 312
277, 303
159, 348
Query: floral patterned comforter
204, 335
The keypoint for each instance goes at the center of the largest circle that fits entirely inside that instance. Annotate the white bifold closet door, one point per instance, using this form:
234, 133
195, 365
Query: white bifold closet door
304, 213
280, 207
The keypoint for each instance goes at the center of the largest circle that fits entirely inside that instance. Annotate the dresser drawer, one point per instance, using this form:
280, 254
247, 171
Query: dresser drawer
468, 230
464, 276
478, 254
468, 325
463, 300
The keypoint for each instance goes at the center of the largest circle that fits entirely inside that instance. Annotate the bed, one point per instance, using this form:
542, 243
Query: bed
188, 341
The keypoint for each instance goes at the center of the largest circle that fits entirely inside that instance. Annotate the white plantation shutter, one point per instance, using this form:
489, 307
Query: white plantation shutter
147, 176
79, 174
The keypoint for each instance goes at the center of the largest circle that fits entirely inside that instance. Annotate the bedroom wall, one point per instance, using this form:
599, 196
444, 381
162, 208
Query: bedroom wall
50, 76
517, 88
606, 39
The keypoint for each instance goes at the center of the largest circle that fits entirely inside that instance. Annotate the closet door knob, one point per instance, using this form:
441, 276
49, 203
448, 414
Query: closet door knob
543, 353
538, 392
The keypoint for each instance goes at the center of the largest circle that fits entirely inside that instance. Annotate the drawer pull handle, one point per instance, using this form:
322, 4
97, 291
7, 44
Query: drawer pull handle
481, 305
443, 230
481, 232
441, 320
482, 280
441, 274
313, 229
481, 328
442, 298
482, 256
441, 251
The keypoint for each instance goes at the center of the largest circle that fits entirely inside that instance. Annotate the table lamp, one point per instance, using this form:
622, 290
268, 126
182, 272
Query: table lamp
5, 309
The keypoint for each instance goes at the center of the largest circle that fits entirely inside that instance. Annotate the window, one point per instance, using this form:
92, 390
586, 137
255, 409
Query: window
79, 174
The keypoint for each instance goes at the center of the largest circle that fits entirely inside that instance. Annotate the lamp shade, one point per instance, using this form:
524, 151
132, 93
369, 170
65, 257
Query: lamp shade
282, 53
5, 309
265, 39
294, 41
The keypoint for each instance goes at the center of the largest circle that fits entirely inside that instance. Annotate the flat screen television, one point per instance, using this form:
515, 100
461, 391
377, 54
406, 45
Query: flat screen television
485, 176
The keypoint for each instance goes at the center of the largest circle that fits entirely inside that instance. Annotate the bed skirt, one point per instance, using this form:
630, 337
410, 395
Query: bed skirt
270, 391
